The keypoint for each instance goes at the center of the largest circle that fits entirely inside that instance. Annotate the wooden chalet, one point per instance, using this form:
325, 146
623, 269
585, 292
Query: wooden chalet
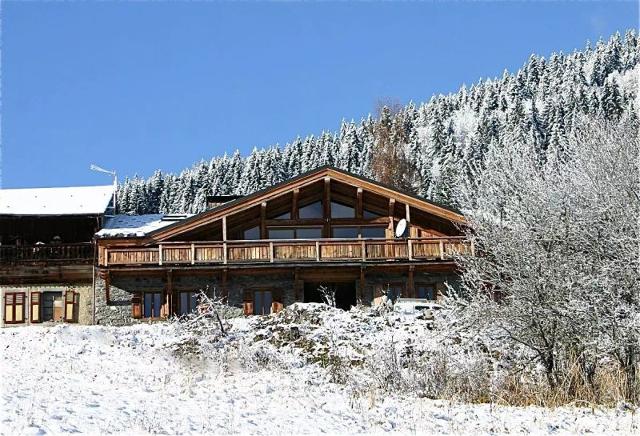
47, 254
277, 246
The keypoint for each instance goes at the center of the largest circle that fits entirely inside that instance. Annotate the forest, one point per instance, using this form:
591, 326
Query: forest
425, 148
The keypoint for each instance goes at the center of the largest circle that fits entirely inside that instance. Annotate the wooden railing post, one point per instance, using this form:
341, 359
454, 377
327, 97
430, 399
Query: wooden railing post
364, 252
410, 249
441, 250
193, 254
224, 253
160, 254
106, 257
317, 251
271, 254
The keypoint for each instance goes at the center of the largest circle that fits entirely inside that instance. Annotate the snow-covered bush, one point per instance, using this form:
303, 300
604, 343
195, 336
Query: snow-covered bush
558, 250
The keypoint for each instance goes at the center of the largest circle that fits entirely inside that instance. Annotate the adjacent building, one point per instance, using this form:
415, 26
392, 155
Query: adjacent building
47, 253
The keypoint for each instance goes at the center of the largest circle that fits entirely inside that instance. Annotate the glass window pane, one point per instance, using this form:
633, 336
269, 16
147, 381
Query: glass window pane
148, 298
344, 232
266, 302
284, 216
373, 232
308, 233
280, 233
339, 210
252, 233
427, 292
367, 214
313, 210
184, 303
157, 302
257, 303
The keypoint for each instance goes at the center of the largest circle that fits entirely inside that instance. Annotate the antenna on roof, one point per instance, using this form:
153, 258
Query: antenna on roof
115, 182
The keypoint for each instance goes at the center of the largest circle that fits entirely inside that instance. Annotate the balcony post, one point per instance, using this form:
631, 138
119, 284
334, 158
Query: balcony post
364, 253
317, 251
410, 248
224, 252
441, 249
271, 254
106, 256
160, 254
193, 254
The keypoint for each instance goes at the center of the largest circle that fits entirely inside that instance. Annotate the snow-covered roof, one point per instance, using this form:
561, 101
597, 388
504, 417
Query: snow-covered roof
123, 226
75, 200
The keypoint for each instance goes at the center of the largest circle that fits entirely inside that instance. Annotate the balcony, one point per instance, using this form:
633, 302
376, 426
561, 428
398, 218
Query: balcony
61, 253
288, 251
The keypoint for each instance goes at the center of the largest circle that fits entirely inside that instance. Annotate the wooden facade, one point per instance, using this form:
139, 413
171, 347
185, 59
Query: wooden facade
323, 227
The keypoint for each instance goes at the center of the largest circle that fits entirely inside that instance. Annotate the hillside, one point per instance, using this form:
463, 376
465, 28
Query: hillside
310, 368
539, 104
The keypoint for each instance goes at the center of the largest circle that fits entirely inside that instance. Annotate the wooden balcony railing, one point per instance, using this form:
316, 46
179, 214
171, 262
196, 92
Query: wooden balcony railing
295, 250
81, 252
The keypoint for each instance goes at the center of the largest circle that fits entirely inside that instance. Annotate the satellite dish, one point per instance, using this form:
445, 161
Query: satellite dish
401, 228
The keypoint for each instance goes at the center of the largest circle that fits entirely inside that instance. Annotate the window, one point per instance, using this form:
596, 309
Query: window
426, 291
284, 216
152, 302
262, 302
188, 303
52, 306
373, 232
339, 210
252, 233
367, 214
313, 210
14, 307
279, 233
344, 232
295, 233
308, 233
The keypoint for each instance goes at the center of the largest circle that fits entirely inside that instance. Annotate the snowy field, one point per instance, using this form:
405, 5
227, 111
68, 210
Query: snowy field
69, 379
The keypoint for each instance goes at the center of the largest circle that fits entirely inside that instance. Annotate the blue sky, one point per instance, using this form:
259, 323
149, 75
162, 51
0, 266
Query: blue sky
139, 86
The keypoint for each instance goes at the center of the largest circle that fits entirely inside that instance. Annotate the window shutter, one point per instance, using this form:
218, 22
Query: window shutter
8, 307
136, 306
247, 304
277, 304
35, 306
19, 307
69, 306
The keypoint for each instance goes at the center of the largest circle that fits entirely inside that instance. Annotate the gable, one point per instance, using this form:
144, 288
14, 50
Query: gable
306, 191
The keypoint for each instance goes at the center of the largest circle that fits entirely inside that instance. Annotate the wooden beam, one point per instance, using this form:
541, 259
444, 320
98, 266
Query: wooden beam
326, 207
359, 207
390, 229
294, 204
410, 284
224, 227
263, 219
360, 296
169, 293
224, 291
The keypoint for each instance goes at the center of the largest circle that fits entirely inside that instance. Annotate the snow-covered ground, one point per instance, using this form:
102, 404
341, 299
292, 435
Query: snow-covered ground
143, 379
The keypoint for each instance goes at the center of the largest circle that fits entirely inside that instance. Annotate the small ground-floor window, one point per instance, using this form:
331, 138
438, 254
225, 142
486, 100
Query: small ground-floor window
262, 302
188, 302
14, 307
146, 305
52, 306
